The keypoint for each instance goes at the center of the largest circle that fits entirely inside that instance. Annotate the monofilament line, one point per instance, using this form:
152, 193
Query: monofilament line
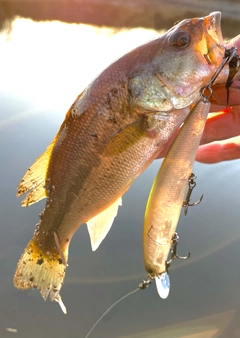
109, 309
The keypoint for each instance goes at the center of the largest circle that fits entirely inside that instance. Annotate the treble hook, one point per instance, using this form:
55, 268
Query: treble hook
173, 251
191, 185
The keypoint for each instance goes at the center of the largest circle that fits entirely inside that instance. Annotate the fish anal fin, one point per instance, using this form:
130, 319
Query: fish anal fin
41, 270
99, 226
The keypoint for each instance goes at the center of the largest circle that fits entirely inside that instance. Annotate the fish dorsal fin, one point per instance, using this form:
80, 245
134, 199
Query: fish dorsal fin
99, 225
34, 179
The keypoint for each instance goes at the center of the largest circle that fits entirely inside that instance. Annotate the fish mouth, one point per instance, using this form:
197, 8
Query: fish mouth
211, 45
212, 23
214, 39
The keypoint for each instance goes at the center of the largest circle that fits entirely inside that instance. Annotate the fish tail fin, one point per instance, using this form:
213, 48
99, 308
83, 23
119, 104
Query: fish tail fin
42, 270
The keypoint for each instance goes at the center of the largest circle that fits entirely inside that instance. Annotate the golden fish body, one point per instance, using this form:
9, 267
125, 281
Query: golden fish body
112, 132
167, 194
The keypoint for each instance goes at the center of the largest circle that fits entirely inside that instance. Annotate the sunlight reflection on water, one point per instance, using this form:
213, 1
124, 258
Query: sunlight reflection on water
60, 59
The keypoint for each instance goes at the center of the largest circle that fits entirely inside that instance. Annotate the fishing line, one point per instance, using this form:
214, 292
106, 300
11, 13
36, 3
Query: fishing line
104, 314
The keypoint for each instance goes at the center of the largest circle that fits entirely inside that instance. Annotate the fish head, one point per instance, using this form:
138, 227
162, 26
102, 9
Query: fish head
189, 54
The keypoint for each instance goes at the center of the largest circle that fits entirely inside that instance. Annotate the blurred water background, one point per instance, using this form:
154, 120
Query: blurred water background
49, 52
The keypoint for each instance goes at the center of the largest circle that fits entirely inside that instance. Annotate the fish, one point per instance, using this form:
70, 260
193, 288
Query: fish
167, 196
112, 132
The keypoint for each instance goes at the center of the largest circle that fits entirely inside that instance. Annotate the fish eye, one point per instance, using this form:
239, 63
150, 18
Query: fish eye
180, 39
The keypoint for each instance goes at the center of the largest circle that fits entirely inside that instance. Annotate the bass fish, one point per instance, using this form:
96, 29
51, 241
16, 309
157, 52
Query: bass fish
112, 132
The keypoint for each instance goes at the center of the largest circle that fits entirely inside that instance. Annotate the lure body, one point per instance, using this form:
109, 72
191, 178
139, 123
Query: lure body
168, 191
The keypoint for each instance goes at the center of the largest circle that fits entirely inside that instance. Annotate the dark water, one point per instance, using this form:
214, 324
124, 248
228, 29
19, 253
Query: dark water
43, 67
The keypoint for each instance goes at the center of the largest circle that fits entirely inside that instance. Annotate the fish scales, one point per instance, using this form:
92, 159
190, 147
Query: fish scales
112, 132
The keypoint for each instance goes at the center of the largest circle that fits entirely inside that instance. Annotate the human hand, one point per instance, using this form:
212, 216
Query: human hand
223, 128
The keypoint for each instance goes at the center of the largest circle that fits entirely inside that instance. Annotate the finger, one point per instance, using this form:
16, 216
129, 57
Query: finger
222, 126
234, 42
221, 98
218, 152
219, 127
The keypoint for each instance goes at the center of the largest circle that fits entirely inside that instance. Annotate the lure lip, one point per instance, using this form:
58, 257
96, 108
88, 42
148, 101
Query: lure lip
163, 285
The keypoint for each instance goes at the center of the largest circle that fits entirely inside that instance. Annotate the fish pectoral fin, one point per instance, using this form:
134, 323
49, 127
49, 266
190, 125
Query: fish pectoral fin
124, 138
99, 226
35, 178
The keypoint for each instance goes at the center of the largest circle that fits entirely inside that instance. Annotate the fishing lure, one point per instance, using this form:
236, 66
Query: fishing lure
167, 195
